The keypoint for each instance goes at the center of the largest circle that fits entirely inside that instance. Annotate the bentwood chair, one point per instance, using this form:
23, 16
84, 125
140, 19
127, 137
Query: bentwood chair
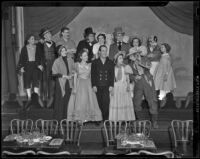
112, 129
18, 126
167, 154
139, 126
28, 152
49, 127
71, 133
183, 137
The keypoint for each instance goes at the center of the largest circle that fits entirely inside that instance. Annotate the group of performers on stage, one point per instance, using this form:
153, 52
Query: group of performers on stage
97, 81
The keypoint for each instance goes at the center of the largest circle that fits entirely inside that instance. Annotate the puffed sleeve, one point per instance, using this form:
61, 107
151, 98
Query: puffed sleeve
143, 50
128, 70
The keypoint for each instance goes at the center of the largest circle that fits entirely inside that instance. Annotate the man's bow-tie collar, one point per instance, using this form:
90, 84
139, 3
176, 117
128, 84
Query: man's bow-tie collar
49, 42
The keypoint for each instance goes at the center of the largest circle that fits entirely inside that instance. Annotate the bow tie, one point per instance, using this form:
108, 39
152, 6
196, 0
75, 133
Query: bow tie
119, 42
48, 42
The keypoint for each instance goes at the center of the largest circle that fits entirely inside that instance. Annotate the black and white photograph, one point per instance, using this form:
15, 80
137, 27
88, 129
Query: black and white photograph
100, 78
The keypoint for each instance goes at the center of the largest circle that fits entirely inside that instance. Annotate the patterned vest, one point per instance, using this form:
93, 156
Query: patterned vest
49, 52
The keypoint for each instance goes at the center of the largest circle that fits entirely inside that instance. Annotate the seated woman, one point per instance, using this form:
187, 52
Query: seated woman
62, 70
30, 66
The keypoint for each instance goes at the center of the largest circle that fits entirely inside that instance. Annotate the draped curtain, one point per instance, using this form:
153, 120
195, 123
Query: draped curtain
177, 15
33, 19
8, 59
54, 18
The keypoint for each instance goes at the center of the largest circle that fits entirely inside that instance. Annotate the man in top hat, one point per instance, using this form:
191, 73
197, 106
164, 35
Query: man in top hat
144, 85
87, 42
49, 54
118, 44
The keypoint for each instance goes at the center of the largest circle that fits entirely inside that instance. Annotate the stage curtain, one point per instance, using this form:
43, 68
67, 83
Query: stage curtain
177, 15
54, 18
9, 81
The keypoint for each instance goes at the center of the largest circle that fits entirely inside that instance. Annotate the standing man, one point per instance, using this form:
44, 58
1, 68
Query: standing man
153, 53
48, 51
66, 41
87, 43
102, 77
118, 44
144, 86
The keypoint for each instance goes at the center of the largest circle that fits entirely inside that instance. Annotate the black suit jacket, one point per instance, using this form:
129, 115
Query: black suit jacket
42, 52
102, 74
84, 44
114, 49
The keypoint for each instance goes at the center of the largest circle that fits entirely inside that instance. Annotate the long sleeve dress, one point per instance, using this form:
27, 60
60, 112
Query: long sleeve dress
164, 67
121, 105
83, 104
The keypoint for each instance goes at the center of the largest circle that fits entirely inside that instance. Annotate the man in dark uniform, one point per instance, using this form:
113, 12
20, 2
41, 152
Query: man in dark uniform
102, 77
48, 51
118, 44
144, 85
88, 42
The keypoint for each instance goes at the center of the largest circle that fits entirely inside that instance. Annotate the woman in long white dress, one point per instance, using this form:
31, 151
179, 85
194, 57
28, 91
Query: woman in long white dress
121, 105
83, 103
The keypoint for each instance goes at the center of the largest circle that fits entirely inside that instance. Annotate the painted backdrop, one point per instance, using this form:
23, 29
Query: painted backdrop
143, 22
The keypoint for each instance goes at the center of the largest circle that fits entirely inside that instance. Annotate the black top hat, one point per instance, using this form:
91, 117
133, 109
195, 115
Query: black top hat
88, 31
43, 31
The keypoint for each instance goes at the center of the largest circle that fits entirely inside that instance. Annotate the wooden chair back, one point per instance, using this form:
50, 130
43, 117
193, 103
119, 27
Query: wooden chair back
49, 127
182, 131
112, 129
71, 131
18, 126
139, 126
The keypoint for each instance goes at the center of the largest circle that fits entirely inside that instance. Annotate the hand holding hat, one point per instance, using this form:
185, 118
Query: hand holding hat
143, 50
144, 62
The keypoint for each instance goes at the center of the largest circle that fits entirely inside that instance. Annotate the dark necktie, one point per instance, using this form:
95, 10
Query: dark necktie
119, 46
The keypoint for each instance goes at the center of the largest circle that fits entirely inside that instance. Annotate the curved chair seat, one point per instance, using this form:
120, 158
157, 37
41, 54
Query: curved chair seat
167, 154
57, 153
29, 152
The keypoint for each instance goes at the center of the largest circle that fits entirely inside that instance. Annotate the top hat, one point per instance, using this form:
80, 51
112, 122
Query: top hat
118, 30
88, 31
43, 31
145, 63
